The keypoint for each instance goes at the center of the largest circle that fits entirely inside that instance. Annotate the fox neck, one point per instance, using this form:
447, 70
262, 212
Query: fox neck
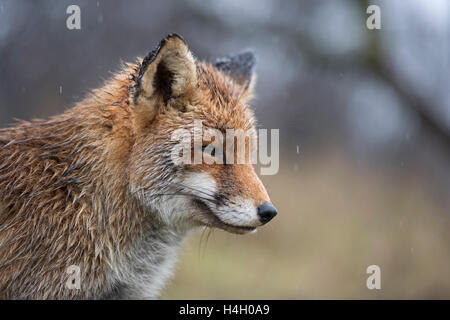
140, 247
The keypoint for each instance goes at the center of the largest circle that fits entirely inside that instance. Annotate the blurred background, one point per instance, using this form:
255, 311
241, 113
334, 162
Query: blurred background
364, 119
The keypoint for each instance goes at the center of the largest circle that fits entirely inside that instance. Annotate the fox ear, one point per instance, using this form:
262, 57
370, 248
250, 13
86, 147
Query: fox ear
239, 66
167, 72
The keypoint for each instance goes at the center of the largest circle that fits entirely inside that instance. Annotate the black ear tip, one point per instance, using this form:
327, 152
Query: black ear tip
171, 36
244, 60
240, 66
248, 57
152, 54
151, 57
247, 60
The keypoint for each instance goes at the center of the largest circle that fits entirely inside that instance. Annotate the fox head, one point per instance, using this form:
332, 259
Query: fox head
172, 92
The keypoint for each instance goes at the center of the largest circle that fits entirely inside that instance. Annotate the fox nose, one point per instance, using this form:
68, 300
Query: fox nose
266, 212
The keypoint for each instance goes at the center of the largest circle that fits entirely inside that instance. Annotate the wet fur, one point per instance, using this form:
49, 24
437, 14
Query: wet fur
82, 189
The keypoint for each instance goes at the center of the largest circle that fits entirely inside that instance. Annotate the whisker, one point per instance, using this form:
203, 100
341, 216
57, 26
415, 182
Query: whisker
210, 231
206, 193
195, 189
185, 195
200, 243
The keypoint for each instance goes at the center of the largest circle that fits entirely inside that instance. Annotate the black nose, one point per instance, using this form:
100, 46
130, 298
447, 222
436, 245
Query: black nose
266, 212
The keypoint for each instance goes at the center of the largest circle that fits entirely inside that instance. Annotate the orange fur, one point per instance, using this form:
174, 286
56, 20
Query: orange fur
66, 184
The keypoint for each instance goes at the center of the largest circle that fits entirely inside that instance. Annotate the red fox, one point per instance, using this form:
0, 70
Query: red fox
95, 188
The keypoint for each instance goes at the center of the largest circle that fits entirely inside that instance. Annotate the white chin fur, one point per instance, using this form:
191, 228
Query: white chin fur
235, 212
177, 208
240, 212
